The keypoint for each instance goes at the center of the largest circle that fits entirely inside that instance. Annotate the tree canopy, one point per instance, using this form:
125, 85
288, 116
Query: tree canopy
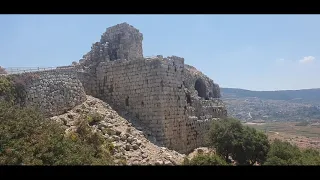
244, 144
284, 153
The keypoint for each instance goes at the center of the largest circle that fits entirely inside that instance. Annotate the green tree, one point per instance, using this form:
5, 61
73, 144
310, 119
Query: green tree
223, 135
252, 147
244, 144
284, 153
205, 159
26, 137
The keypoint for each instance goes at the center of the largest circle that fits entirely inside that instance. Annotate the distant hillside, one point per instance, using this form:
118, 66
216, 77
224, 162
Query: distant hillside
286, 105
312, 95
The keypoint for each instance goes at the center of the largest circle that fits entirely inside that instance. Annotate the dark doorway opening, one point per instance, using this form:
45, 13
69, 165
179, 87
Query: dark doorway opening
200, 86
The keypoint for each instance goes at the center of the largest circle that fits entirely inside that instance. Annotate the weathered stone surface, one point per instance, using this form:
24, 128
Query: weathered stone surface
135, 146
153, 91
124, 42
54, 91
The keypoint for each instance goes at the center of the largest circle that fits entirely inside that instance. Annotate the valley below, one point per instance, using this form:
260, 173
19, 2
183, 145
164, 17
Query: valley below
293, 116
302, 136
273, 106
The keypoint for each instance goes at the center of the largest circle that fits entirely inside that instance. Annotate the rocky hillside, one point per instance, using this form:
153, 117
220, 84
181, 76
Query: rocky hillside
273, 105
135, 145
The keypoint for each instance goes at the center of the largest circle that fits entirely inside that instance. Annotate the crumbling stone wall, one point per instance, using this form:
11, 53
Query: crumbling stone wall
203, 105
123, 42
119, 42
195, 79
53, 91
89, 82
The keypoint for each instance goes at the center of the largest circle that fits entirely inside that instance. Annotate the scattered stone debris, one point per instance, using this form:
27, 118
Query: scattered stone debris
130, 145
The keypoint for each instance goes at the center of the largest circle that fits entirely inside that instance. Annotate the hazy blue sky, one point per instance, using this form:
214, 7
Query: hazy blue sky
258, 52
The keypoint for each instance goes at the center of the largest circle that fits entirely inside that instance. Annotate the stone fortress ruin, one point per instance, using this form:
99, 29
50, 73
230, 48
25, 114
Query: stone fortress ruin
174, 101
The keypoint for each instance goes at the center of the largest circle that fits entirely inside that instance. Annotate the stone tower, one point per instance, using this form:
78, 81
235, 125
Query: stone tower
124, 42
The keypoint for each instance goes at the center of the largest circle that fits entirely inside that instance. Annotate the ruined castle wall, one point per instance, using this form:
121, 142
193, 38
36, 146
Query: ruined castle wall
173, 103
206, 109
197, 132
176, 102
200, 114
184, 130
54, 91
152, 90
202, 108
135, 86
89, 82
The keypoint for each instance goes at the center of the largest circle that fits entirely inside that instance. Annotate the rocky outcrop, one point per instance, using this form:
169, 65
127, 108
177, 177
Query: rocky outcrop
130, 143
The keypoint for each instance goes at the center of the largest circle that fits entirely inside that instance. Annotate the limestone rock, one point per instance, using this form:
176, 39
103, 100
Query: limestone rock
159, 162
135, 146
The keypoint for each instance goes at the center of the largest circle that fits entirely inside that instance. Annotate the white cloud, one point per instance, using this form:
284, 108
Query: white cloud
307, 59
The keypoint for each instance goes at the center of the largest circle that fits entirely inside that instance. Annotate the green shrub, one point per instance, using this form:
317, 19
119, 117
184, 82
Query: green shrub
13, 87
26, 137
94, 118
7, 90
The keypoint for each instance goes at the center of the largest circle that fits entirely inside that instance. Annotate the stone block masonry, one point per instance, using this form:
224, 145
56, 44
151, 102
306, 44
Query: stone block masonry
54, 92
153, 90
133, 85
150, 89
89, 82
